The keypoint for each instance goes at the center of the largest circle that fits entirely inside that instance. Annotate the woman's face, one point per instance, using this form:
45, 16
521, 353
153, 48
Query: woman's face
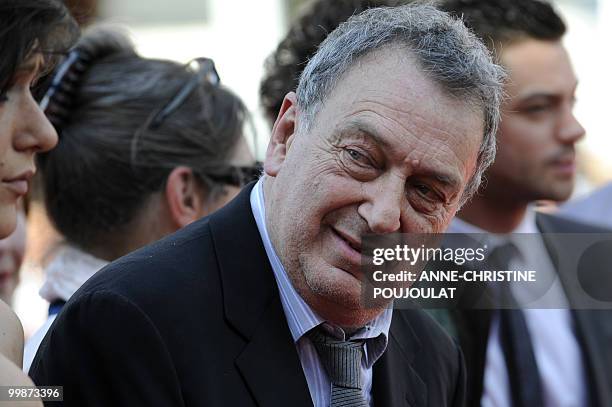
24, 131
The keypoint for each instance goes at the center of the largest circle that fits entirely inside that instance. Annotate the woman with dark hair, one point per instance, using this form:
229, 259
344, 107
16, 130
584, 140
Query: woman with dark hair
145, 147
32, 34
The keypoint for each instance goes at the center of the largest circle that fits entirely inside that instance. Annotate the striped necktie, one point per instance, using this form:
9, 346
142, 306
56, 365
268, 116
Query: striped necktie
342, 362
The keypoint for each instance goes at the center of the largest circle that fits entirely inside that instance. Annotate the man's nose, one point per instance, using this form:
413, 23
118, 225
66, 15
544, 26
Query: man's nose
570, 130
382, 206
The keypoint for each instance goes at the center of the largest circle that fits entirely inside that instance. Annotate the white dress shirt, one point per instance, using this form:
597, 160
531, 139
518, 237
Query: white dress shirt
301, 319
554, 342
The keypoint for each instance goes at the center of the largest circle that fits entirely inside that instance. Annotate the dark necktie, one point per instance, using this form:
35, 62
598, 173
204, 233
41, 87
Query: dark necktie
342, 362
525, 382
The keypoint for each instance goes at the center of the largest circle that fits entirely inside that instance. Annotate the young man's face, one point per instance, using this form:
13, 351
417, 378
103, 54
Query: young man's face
388, 152
538, 131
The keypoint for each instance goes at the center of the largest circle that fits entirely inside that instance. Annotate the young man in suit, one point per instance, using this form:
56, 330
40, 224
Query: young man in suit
259, 303
565, 360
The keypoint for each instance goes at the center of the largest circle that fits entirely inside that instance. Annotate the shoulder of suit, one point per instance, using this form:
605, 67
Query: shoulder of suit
159, 265
554, 223
435, 353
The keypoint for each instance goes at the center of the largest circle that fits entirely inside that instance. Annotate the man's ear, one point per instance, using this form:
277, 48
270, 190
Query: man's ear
184, 197
283, 134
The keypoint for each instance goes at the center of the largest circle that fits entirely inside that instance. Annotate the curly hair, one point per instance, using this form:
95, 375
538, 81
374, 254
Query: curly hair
505, 21
284, 66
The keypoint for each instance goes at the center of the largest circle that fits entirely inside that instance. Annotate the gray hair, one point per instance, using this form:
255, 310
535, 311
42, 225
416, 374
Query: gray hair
443, 47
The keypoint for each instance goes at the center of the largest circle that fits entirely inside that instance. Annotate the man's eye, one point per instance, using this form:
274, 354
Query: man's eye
358, 157
426, 192
534, 109
3, 97
423, 189
354, 154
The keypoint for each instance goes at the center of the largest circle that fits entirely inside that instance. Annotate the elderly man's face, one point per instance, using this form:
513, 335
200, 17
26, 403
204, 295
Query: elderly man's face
388, 152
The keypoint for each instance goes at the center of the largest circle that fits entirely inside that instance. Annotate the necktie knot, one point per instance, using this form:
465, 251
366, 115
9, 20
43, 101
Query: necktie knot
503, 255
341, 359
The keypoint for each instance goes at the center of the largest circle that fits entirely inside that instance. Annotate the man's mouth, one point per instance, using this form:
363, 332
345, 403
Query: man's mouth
348, 250
565, 164
352, 242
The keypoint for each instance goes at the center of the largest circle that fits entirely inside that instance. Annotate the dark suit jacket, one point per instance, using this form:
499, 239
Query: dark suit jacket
196, 320
593, 329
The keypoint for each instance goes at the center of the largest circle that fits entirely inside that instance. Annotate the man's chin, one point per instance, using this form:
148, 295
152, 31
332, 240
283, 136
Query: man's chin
559, 193
348, 296
350, 318
347, 308
337, 295
551, 189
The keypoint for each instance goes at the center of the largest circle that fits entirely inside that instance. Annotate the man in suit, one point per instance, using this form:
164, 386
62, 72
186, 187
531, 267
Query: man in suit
564, 356
260, 304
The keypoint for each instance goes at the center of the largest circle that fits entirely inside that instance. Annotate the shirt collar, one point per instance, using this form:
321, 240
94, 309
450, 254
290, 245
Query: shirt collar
300, 317
527, 225
67, 272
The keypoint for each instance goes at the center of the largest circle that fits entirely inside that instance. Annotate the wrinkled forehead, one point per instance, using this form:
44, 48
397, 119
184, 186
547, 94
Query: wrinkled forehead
391, 83
395, 68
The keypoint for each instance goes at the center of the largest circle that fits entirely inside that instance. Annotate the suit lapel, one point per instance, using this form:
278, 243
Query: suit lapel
395, 382
270, 364
587, 331
252, 306
473, 326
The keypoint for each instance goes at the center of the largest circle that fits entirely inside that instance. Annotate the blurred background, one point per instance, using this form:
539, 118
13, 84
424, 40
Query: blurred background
240, 34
